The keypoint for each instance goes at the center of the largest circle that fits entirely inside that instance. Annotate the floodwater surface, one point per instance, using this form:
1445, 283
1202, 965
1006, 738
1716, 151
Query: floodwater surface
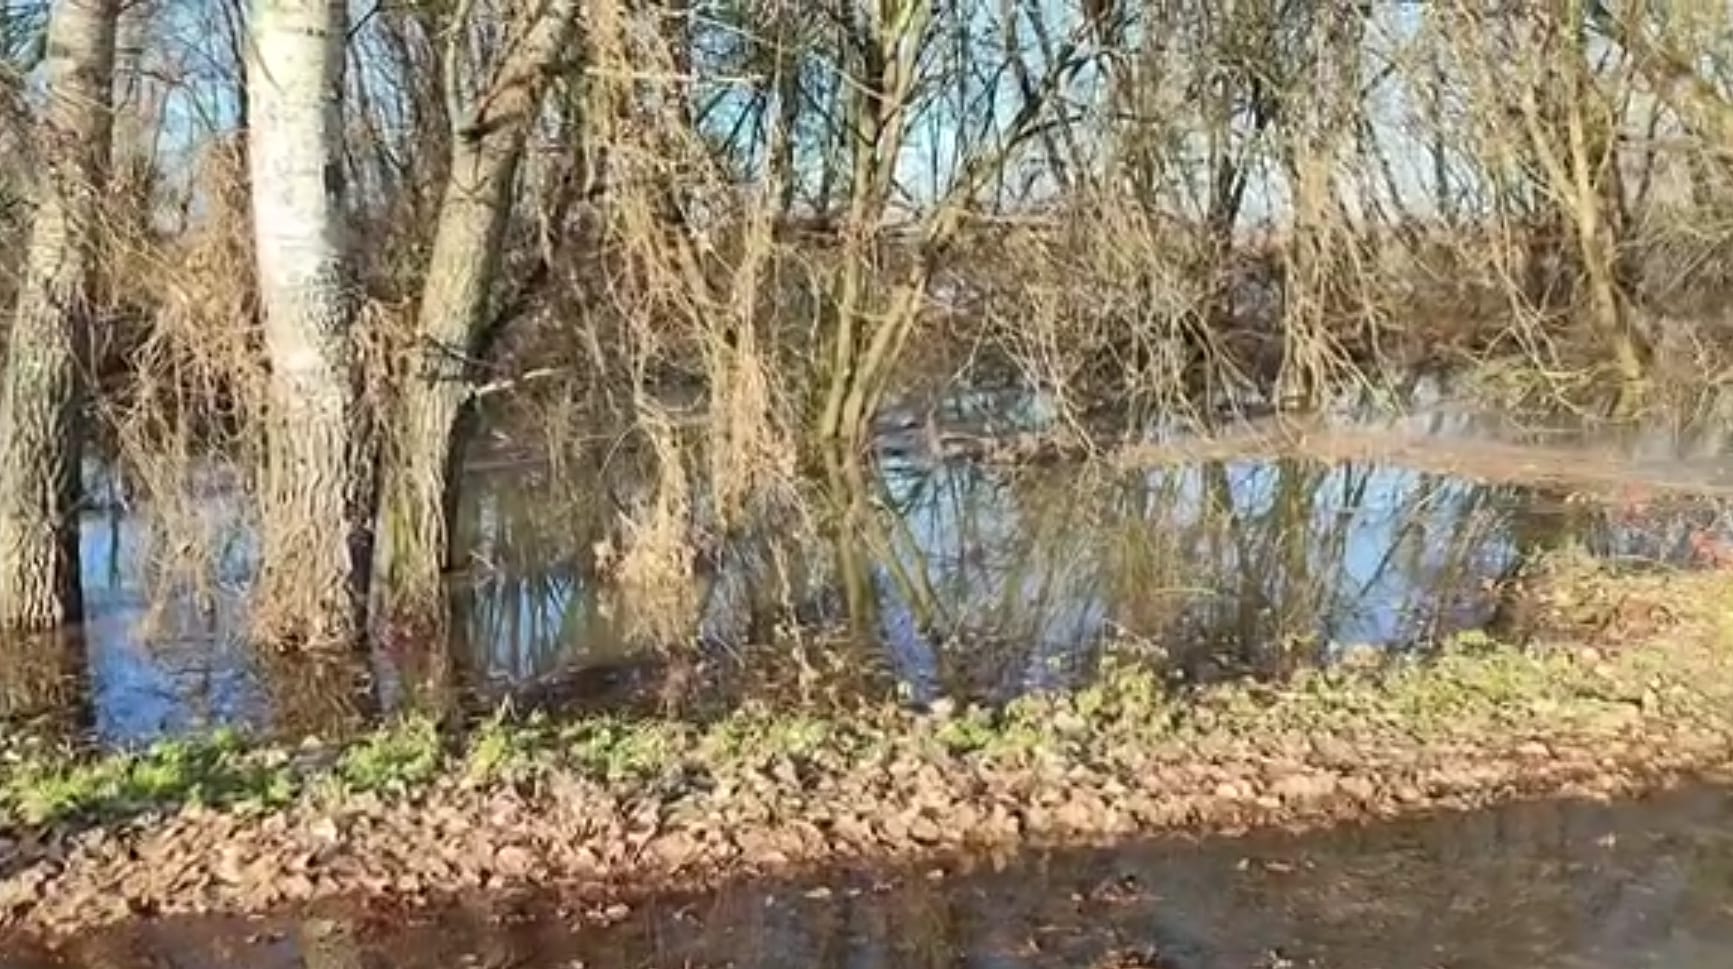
983, 580
1548, 885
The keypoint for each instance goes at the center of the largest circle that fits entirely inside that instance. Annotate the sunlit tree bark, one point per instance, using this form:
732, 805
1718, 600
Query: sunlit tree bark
39, 397
488, 134
314, 499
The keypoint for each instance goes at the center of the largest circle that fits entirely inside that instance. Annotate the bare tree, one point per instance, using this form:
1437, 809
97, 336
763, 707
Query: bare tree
40, 397
491, 118
315, 496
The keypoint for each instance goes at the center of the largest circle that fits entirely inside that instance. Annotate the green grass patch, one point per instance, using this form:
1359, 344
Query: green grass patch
393, 759
41, 784
1470, 688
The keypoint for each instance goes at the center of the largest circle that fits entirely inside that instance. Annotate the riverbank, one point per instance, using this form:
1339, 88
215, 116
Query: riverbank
1628, 686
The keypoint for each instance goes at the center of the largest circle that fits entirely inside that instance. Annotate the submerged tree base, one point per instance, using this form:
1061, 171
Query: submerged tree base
1628, 687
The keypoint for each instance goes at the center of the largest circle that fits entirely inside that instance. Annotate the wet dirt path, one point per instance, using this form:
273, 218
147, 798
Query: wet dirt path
1572, 885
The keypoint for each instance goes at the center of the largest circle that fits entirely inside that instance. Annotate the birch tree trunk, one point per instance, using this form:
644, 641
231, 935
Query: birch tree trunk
315, 492
40, 393
487, 143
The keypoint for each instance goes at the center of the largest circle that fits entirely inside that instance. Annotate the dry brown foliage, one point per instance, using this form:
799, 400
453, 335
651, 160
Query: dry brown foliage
733, 216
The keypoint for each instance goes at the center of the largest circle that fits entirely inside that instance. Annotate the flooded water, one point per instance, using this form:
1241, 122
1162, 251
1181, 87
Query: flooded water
984, 580
1563, 885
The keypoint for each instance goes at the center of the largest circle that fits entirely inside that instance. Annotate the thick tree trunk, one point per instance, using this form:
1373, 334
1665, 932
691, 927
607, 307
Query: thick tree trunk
39, 395
418, 492
315, 493
415, 514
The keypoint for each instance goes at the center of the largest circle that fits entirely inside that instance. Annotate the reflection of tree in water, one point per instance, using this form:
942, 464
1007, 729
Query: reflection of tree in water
330, 944
986, 579
44, 683
326, 693
1223, 564
990, 579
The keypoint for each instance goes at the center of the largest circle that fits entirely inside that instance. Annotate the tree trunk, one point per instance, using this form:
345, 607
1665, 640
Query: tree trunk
39, 395
418, 492
1593, 167
415, 513
316, 489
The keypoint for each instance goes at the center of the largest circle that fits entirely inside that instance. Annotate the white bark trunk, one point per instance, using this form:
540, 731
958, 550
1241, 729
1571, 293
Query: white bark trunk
39, 395
314, 494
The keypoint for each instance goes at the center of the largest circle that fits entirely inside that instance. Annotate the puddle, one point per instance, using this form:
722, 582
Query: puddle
1245, 564
1552, 885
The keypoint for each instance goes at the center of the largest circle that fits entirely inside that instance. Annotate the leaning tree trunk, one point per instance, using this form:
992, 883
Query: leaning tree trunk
39, 396
487, 143
315, 490
414, 522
